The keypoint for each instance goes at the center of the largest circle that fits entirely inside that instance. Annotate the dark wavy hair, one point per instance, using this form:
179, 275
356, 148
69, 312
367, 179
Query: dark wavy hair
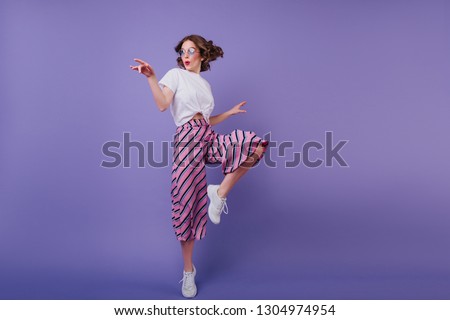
208, 51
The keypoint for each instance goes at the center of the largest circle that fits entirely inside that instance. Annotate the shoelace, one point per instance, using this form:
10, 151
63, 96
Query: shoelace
222, 206
188, 278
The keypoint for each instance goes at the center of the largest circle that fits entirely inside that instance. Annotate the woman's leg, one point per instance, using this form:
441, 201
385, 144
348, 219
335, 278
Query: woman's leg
188, 289
187, 249
231, 178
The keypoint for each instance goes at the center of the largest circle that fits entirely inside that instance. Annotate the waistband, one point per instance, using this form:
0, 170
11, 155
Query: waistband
193, 123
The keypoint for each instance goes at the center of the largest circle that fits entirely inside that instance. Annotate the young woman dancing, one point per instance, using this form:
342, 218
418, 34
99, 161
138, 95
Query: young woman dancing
191, 103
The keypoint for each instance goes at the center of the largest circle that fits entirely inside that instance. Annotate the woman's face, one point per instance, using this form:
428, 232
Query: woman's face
192, 60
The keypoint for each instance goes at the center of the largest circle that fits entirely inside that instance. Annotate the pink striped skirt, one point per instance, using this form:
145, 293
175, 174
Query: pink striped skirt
196, 144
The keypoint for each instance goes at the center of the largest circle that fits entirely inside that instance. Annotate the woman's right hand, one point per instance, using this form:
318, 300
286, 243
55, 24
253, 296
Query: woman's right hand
143, 68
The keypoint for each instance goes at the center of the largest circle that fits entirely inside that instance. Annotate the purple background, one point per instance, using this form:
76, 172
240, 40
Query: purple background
376, 73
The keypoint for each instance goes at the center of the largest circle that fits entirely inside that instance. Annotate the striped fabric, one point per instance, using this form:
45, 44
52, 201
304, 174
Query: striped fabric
195, 144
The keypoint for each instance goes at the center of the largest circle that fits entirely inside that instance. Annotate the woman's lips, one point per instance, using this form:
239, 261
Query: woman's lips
187, 63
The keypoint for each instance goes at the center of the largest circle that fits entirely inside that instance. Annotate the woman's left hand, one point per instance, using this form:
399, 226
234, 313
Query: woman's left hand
237, 109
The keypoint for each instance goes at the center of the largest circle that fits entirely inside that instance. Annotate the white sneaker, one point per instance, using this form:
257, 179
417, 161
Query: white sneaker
189, 289
217, 204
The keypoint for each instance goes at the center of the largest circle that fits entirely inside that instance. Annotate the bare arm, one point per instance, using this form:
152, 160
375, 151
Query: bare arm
223, 116
163, 98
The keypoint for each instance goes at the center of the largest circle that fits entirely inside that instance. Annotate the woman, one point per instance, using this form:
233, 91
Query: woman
191, 102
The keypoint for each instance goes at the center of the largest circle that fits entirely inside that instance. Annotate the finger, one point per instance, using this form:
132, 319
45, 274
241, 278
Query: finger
140, 61
139, 69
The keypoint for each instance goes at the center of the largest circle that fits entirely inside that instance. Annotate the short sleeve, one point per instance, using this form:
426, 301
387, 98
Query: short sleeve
170, 80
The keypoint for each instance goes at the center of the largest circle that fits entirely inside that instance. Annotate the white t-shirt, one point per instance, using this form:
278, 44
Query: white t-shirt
192, 94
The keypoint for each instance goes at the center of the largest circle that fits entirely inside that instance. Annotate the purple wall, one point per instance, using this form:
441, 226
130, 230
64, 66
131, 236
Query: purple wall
375, 73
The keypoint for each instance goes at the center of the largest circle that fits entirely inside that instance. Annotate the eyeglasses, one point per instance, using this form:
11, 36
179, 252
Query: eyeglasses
190, 51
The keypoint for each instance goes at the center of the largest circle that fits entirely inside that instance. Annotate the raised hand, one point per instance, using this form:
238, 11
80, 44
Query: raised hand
143, 68
237, 108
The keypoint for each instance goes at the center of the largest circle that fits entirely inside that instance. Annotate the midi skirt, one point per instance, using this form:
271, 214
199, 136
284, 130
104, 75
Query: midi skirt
195, 145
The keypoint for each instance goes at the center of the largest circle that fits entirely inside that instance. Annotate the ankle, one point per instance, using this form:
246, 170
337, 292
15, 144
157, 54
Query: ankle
221, 194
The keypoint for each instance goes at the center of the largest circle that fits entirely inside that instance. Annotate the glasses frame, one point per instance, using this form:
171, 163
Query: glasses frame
191, 51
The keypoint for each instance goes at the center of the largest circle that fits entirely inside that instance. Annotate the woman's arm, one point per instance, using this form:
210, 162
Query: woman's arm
221, 117
213, 120
163, 98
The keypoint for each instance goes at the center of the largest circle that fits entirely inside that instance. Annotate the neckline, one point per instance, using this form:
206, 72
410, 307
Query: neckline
193, 73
